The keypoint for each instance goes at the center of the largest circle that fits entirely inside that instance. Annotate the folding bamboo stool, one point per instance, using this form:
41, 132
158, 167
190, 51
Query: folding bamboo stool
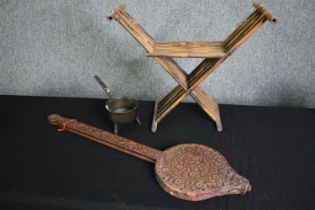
214, 52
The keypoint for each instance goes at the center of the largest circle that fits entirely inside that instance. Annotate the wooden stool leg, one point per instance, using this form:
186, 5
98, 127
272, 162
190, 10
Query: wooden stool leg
154, 120
170, 101
174, 70
188, 84
208, 105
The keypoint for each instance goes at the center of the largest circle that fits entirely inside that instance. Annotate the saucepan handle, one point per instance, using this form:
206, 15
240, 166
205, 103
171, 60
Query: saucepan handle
104, 86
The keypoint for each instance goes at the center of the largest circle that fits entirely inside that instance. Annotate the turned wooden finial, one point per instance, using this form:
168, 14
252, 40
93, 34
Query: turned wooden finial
113, 14
263, 11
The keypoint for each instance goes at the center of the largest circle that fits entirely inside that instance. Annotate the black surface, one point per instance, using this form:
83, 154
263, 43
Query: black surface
44, 169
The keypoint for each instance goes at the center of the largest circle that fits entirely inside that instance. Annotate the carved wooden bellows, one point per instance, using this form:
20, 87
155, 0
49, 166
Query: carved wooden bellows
191, 172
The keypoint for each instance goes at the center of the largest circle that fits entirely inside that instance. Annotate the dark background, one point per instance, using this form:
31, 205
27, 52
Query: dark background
44, 169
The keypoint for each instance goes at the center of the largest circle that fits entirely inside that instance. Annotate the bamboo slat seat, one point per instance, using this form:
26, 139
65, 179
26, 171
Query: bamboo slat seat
194, 49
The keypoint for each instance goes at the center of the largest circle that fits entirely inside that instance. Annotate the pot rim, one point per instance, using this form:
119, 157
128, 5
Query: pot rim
122, 97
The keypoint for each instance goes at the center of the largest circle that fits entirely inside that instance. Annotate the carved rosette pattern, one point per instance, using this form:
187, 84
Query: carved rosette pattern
196, 172
188, 171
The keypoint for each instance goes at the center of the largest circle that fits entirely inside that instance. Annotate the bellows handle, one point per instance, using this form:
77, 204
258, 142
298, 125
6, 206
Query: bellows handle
105, 138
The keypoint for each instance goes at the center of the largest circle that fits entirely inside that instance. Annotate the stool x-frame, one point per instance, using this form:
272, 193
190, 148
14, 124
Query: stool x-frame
214, 53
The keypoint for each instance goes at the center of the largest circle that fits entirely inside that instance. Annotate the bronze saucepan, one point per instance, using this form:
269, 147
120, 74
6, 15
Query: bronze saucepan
120, 110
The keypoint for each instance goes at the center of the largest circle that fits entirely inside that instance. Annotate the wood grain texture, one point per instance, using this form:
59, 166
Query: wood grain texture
174, 98
121, 16
105, 138
169, 65
208, 105
264, 12
174, 70
167, 104
188, 50
214, 52
192, 172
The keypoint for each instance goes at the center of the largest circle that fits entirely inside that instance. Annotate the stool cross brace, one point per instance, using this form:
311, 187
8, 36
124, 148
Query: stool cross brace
214, 53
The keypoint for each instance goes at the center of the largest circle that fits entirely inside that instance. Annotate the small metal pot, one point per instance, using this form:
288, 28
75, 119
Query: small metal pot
120, 110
